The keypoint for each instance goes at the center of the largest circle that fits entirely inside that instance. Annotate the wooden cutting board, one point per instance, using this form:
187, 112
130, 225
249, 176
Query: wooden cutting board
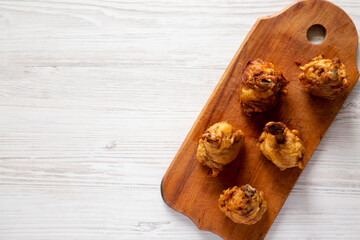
280, 39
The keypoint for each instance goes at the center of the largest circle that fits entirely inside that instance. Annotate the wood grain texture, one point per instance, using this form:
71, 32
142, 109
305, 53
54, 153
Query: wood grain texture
280, 39
96, 98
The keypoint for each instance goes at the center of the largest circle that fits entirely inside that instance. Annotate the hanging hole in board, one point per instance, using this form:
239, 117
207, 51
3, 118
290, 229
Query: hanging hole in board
316, 34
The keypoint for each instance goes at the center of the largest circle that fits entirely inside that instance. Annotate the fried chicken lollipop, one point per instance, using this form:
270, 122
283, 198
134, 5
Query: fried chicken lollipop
243, 204
218, 146
282, 146
261, 86
324, 77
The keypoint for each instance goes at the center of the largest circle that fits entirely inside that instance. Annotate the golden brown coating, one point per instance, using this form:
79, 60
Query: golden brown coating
261, 86
218, 146
243, 204
282, 146
324, 77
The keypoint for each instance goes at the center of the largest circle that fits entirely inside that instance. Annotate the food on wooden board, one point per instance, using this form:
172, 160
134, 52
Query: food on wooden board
282, 146
325, 78
262, 84
243, 204
218, 146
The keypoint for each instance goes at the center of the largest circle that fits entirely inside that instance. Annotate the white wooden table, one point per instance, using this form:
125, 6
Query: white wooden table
96, 97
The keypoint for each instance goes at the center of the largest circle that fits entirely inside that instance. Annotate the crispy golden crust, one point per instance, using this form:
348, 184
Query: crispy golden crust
243, 204
218, 146
261, 86
282, 146
324, 77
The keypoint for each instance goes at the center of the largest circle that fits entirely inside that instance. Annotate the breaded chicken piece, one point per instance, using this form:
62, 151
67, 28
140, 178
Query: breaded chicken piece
324, 77
282, 146
243, 204
261, 86
218, 146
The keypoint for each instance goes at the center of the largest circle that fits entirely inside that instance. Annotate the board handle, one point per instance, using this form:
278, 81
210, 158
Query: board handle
340, 31
338, 26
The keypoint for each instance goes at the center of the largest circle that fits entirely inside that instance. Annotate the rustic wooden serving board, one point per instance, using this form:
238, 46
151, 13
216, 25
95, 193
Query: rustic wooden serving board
280, 39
